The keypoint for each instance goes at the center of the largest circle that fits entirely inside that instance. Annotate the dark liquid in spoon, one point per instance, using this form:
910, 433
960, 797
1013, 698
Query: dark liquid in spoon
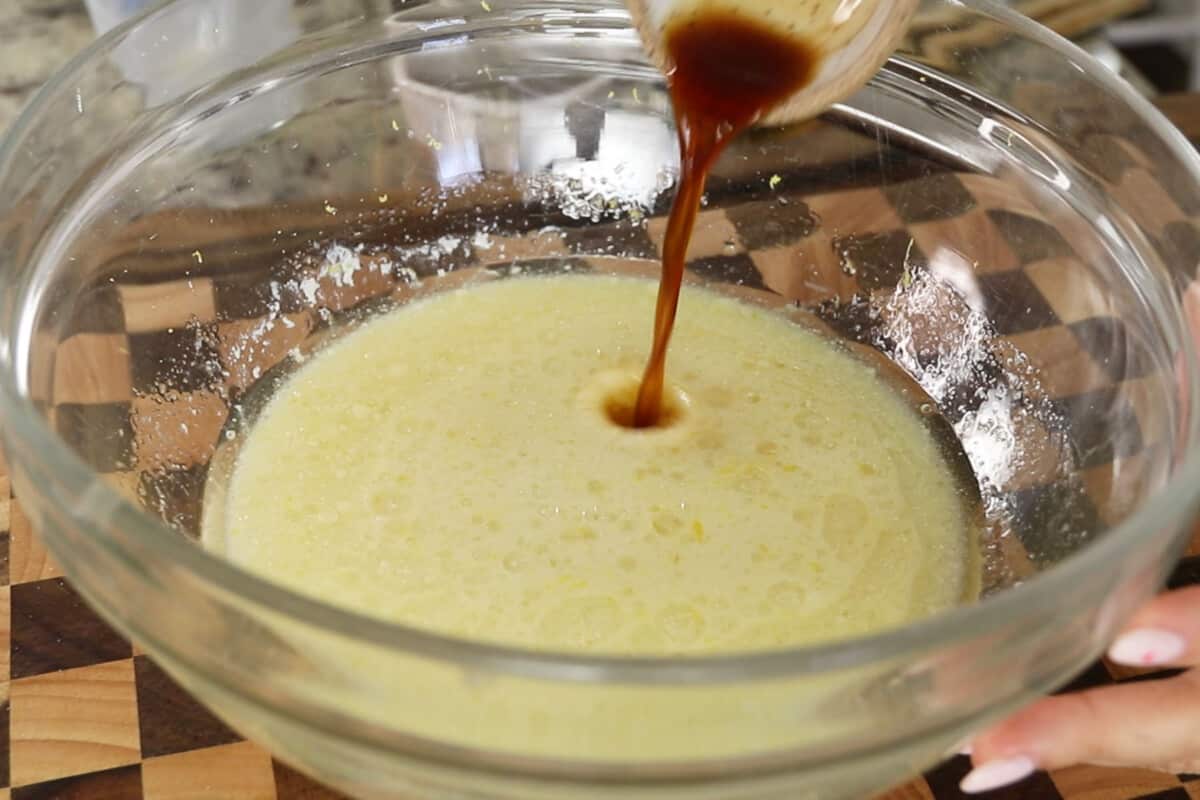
724, 73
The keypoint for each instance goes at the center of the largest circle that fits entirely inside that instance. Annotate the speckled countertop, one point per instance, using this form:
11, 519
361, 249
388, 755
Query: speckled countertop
85, 715
39, 36
36, 38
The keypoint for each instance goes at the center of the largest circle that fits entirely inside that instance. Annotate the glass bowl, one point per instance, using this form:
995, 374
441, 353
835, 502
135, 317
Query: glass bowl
200, 200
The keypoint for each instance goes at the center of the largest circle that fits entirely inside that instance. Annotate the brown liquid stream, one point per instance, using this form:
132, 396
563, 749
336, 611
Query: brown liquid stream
725, 73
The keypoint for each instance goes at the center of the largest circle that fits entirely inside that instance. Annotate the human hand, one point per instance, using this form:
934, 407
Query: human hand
1154, 724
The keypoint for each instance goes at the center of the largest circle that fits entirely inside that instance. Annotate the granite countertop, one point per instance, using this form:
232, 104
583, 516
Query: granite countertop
127, 731
39, 36
36, 38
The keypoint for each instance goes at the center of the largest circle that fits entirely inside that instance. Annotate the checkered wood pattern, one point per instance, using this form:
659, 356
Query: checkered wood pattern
146, 370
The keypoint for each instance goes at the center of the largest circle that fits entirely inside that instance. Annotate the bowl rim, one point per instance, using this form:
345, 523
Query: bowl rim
24, 427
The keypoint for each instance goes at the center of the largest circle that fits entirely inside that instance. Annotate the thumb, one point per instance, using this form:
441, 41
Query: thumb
1164, 633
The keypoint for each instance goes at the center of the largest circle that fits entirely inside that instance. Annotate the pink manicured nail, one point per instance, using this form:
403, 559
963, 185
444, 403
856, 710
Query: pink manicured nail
995, 774
1147, 647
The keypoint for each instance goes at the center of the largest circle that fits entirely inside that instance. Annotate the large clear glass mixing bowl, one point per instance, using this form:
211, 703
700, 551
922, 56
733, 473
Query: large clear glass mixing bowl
208, 194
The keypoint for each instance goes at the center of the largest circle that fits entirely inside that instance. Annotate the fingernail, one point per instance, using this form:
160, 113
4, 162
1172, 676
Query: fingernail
1147, 647
966, 749
995, 774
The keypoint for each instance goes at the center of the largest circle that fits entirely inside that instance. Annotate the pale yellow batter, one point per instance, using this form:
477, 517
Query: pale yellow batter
452, 466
